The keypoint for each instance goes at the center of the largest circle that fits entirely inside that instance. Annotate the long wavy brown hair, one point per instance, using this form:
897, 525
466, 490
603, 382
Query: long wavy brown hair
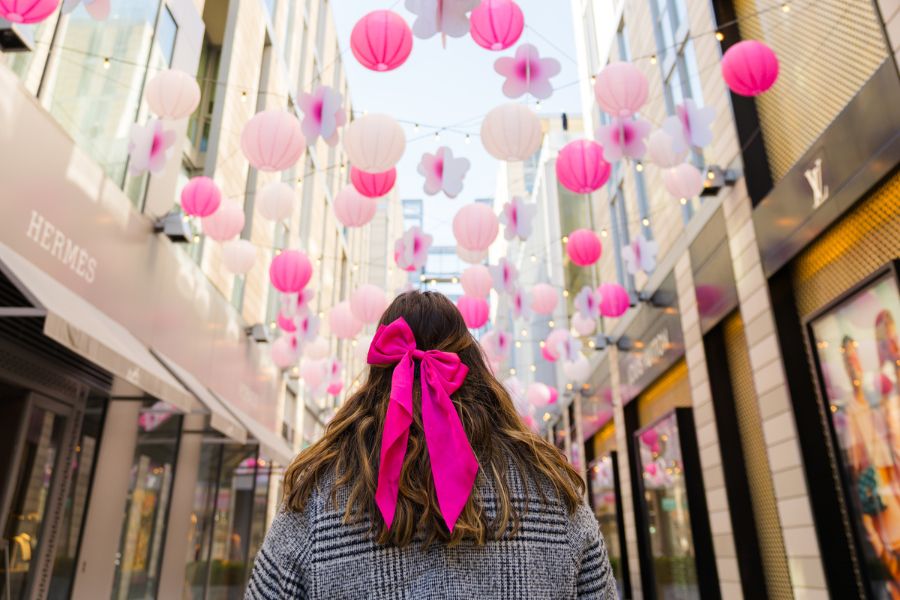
350, 449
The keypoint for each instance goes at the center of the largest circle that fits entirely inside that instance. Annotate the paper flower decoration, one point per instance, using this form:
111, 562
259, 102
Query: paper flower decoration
98, 9
307, 327
527, 73
506, 276
411, 250
690, 126
640, 255
623, 137
516, 217
587, 302
519, 305
149, 147
447, 17
443, 173
322, 114
496, 344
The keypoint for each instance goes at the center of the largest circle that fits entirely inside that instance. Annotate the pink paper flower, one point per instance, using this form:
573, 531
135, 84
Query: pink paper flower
447, 17
527, 73
496, 344
587, 302
640, 255
691, 125
623, 137
516, 217
149, 147
505, 275
443, 173
411, 250
322, 114
519, 305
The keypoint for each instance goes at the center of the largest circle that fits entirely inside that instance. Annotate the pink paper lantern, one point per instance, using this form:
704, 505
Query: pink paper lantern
583, 325
750, 68
496, 24
544, 299
477, 281
511, 132
286, 323
373, 185
683, 181
172, 94
285, 351
290, 271
621, 89
615, 300
584, 247
335, 387
381, 40
553, 345
353, 209
367, 303
225, 223
314, 372
343, 324
581, 168
27, 11
200, 197
238, 256
554, 395
538, 394
475, 227
273, 140
474, 311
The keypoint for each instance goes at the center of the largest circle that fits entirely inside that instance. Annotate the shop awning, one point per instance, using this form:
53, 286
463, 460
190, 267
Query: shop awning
76, 324
220, 418
271, 445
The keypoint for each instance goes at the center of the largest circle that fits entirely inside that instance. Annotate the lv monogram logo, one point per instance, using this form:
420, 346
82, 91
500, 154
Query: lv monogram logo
814, 179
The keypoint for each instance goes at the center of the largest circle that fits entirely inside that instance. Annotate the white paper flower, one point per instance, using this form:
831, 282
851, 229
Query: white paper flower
640, 255
322, 114
149, 147
691, 125
527, 73
443, 173
516, 216
447, 17
505, 275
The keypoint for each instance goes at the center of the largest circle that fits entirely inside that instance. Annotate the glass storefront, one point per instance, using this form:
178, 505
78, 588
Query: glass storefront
603, 484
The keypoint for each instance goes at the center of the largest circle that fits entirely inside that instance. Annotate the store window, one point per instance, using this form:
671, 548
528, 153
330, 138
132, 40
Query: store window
201, 121
202, 514
290, 415
603, 476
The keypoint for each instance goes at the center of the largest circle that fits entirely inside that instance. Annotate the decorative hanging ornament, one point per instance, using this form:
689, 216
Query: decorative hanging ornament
98, 9
286, 323
661, 150
623, 137
472, 257
584, 247
750, 68
316, 349
368, 302
353, 209
148, 147
475, 226
373, 185
200, 197
276, 201
285, 352
411, 250
443, 173
544, 299
496, 24
172, 94
272, 140
519, 305
684, 181
476, 281
538, 394
344, 325
691, 125
322, 114
583, 324
447, 17
527, 73
307, 327
381, 41
587, 302
621, 89
224, 224
473, 310
516, 216
313, 373
556, 345
374, 143
615, 300
506, 276
640, 255
511, 132
27, 11
581, 168
578, 369
497, 345
238, 256
290, 271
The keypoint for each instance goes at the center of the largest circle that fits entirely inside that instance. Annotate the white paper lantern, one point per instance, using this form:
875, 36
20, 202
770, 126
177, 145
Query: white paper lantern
238, 256
473, 257
511, 132
374, 143
684, 181
316, 349
172, 94
577, 370
583, 325
661, 150
276, 201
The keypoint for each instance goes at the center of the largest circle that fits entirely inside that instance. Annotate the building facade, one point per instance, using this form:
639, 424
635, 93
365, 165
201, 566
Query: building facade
727, 422
146, 425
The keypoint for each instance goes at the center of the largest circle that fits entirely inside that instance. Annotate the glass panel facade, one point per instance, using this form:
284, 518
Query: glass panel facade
202, 514
603, 499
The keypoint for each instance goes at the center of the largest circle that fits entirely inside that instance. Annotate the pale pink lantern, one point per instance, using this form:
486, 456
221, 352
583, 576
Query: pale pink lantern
200, 197
621, 89
238, 256
314, 372
27, 11
353, 209
496, 24
473, 310
290, 271
273, 140
538, 394
544, 299
477, 281
475, 227
285, 351
511, 132
275, 202
374, 142
615, 300
554, 394
225, 223
472, 257
581, 168
750, 68
583, 324
584, 247
343, 324
172, 94
684, 181
367, 303
381, 40
373, 185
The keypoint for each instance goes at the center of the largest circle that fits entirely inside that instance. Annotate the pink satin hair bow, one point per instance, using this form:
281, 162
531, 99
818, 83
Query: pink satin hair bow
453, 463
